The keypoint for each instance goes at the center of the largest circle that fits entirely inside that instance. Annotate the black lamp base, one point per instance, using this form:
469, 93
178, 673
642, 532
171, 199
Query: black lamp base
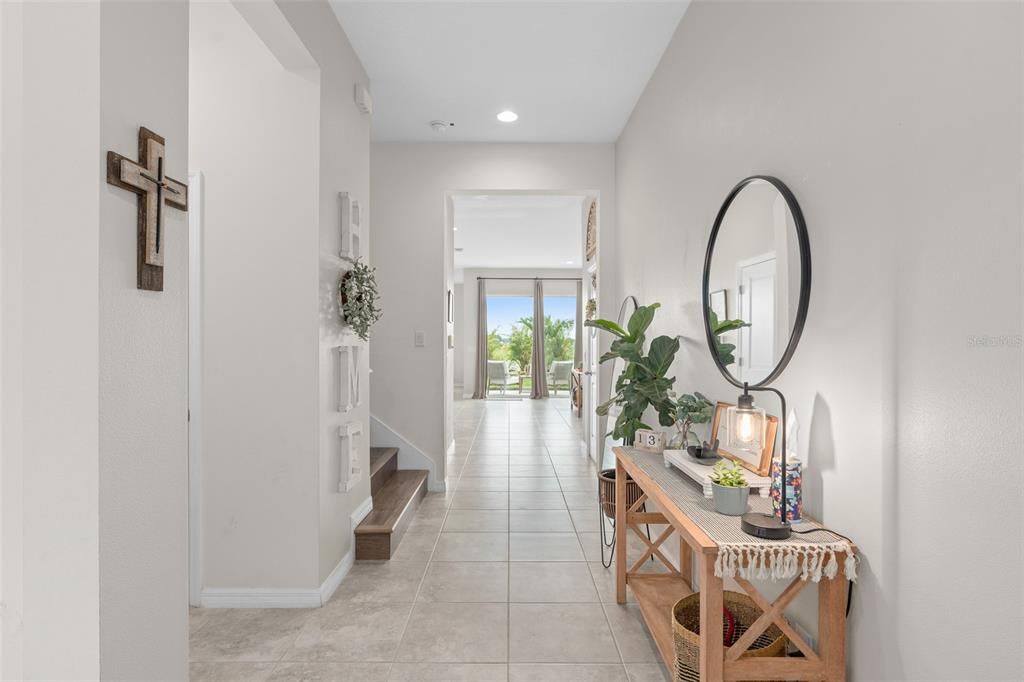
766, 526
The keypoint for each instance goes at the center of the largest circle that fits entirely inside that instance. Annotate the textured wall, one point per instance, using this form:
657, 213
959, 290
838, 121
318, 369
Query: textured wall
898, 127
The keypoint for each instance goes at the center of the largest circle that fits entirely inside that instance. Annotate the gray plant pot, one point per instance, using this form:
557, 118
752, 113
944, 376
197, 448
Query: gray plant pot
730, 501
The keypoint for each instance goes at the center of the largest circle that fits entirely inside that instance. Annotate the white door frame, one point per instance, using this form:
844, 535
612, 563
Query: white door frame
741, 265
195, 383
448, 258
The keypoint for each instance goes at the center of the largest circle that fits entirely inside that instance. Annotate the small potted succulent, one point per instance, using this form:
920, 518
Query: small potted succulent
729, 488
357, 298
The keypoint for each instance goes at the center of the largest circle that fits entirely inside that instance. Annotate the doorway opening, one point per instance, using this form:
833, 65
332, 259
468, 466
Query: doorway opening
518, 274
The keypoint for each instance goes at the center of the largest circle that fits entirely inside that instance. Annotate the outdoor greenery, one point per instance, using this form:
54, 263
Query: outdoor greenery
517, 347
728, 474
642, 383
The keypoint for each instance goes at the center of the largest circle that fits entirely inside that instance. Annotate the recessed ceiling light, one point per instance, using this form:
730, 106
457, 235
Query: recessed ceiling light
455, 229
568, 262
508, 116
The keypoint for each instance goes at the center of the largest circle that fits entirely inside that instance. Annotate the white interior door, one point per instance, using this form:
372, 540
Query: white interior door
756, 298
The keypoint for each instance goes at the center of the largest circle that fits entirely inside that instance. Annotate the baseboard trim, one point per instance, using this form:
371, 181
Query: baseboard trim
264, 598
259, 598
338, 574
361, 512
409, 456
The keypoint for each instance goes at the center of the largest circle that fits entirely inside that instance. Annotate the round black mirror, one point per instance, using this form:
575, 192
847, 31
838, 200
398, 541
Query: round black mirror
757, 281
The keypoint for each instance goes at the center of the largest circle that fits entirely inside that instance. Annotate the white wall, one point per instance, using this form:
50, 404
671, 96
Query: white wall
459, 326
344, 166
408, 186
276, 145
254, 135
93, 462
143, 360
898, 127
471, 288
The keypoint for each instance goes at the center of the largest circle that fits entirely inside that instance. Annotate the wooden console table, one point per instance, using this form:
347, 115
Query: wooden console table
712, 537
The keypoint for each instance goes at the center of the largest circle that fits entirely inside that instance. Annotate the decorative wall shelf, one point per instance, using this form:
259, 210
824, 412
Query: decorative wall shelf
350, 393
349, 470
351, 233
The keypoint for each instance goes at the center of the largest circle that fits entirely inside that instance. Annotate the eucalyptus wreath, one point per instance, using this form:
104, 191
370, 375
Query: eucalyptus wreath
357, 298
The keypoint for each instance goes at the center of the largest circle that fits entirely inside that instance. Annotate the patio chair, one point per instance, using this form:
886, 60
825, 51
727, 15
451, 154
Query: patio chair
560, 372
498, 373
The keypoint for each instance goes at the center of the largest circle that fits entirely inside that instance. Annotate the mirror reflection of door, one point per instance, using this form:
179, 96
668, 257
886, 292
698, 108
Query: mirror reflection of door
756, 297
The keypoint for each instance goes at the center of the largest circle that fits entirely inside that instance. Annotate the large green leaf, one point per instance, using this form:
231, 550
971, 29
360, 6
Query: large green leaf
608, 326
640, 320
663, 352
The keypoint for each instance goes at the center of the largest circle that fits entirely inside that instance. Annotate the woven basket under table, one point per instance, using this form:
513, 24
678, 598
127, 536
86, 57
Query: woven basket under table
686, 632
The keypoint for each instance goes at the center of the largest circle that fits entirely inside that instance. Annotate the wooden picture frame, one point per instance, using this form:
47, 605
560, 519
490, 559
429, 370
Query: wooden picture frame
592, 231
720, 304
764, 465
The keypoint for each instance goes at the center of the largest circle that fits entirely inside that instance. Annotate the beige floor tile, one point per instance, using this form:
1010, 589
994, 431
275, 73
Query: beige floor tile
631, 635
485, 466
586, 484
415, 546
540, 521
472, 547
387, 581
581, 500
229, 672
560, 633
343, 631
329, 672
530, 470
566, 672
456, 633
536, 500
471, 581
544, 547
551, 582
246, 634
449, 672
480, 499
197, 618
534, 483
604, 580
476, 520
588, 520
646, 672
499, 483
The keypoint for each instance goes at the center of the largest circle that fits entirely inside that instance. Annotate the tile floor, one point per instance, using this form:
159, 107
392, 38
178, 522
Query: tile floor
500, 579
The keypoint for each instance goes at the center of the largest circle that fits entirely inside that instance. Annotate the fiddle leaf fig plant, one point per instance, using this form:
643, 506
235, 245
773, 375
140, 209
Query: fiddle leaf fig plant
692, 408
718, 327
728, 474
643, 382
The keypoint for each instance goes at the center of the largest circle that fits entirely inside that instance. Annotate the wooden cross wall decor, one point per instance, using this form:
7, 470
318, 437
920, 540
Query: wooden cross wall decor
147, 179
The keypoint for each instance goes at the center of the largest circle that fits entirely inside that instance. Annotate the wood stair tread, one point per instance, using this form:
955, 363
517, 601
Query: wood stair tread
380, 457
389, 504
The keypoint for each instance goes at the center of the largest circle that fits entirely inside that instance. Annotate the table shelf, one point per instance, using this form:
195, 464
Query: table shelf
656, 595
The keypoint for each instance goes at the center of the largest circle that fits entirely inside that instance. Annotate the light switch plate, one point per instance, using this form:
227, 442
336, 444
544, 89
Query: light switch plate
419, 339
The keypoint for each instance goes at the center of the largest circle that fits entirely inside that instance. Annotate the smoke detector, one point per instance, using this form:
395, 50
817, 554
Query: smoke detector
439, 126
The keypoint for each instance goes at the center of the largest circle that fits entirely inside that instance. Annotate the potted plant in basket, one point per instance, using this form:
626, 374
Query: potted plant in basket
729, 488
357, 298
641, 385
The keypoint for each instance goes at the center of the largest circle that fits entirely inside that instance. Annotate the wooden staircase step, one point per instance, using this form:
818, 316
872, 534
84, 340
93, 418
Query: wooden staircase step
394, 505
383, 464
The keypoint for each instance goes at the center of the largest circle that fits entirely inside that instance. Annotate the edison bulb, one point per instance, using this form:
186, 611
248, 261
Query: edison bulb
746, 426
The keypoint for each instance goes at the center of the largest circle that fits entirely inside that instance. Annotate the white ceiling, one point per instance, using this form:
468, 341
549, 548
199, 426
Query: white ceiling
518, 231
572, 70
